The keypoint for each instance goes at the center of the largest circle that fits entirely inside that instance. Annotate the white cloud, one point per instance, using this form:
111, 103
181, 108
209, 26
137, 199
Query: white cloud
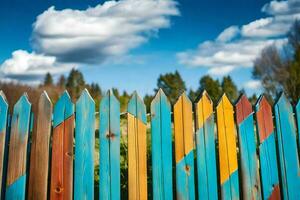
253, 85
238, 47
228, 34
110, 29
26, 66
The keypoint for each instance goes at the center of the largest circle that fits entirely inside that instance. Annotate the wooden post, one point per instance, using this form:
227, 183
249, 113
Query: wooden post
109, 136
206, 149
184, 148
229, 179
3, 124
287, 146
137, 148
247, 144
298, 121
84, 147
16, 172
62, 149
161, 137
39, 158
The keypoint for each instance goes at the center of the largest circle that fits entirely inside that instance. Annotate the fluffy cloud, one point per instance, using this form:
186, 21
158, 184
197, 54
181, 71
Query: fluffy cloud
253, 85
26, 66
238, 47
92, 35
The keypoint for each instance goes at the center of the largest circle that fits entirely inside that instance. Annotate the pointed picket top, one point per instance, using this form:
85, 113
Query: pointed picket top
282, 99
137, 108
45, 98
224, 103
160, 97
204, 109
3, 98
3, 111
243, 108
22, 108
63, 109
85, 97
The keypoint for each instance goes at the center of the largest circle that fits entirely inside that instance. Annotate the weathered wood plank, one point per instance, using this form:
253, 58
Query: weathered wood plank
287, 145
247, 144
62, 149
3, 124
298, 121
84, 147
184, 146
267, 150
109, 135
137, 148
206, 149
39, 154
228, 165
16, 173
161, 138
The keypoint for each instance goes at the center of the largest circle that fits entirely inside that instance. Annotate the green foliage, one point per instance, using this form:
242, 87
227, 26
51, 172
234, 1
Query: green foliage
75, 83
61, 81
147, 100
229, 88
48, 81
211, 86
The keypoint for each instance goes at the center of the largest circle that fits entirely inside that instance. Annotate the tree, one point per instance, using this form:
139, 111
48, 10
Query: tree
75, 83
172, 85
61, 82
48, 81
211, 86
147, 100
229, 88
95, 90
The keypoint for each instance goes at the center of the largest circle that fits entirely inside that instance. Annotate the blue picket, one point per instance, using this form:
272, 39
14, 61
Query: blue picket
288, 154
109, 136
3, 124
84, 147
298, 122
16, 172
161, 137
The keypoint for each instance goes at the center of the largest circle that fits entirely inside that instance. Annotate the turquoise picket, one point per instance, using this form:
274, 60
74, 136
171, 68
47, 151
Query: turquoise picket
109, 136
247, 144
161, 138
298, 122
3, 124
84, 147
288, 154
16, 172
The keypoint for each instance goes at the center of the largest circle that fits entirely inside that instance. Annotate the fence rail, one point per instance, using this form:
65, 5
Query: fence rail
234, 152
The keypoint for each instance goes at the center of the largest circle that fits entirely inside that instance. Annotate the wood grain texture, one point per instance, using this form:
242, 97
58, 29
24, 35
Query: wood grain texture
62, 149
17, 160
161, 137
206, 149
109, 135
267, 150
247, 143
137, 149
39, 154
287, 146
184, 146
228, 165
84, 147
3, 124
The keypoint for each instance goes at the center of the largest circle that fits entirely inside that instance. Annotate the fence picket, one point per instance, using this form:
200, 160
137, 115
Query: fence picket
229, 179
137, 148
184, 148
109, 135
3, 124
288, 154
84, 147
298, 122
62, 149
206, 149
16, 172
247, 144
161, 138
39, 154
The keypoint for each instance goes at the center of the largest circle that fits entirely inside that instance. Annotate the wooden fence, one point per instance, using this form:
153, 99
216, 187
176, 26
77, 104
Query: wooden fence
234, 152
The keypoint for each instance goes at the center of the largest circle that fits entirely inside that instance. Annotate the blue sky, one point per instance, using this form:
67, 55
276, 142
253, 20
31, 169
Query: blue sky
127, 44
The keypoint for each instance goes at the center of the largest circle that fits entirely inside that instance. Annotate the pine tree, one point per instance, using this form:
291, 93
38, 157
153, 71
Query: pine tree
48, 81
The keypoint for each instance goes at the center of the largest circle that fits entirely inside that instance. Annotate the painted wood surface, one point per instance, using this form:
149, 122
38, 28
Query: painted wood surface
62, 149
3, 125
16, 172
298, 122
137, 148
84, 147
39, 153
287, 146
247, 148
267, 150
161, 138
228, 165
184, 146
206, 149
109, 147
